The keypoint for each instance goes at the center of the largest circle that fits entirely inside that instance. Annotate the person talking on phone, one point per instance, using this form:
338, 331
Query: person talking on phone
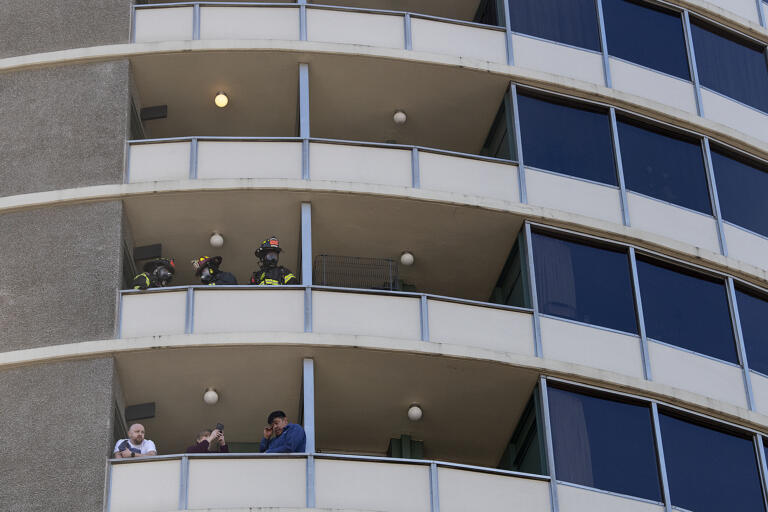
282, 436
210, 441
135, 446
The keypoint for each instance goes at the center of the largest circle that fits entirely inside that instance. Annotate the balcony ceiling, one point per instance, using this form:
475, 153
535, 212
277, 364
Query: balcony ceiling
351, 98
263, 91
470, 407
459, 251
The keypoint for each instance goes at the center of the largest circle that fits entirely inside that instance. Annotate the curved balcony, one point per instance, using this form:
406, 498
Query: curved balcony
322, 24
340, 482
434, 35
387, 318
404, 167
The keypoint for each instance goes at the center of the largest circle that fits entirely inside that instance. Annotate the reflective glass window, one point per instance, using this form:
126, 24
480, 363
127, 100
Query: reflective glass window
573, 22
687, 310
564, 138
753, 311
584, 283
647, 35
663, 165
742, 188
709, 470
604, 444
730, 65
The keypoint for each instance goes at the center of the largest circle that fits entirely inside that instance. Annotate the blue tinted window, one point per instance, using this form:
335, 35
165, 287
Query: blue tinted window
753, 312
686, 310
646, 35
573, 22
664, 166
742, 189
584, 283
604, 444
731, 66
566, 139
708, 470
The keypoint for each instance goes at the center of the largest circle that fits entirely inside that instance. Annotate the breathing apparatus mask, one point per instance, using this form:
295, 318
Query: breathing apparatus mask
162, 276
270, 258
207, 275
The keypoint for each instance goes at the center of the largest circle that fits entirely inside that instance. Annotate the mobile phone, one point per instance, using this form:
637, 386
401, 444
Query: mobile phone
122, 446
220, 427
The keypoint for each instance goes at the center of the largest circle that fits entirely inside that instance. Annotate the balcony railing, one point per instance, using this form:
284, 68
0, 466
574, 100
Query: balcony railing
323, 309
324, 481
316, 159
318, 23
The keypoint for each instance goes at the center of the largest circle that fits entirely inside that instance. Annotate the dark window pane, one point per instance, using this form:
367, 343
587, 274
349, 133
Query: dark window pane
742, 188
664, 166
573, 22
566, 139
753, 311
604, 444
584, 283
708, 470
686, 310
731, 66
498, 142
646, 35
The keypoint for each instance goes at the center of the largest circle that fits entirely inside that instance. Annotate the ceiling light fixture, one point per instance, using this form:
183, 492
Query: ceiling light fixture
221, 99
399, 117
414, 412
406, 258
210, 396
216, 240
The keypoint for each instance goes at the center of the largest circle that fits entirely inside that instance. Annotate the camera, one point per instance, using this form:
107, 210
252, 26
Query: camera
220, 427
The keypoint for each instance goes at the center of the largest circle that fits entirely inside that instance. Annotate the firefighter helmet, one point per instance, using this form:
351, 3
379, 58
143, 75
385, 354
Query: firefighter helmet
168, 263
200, 263
270, 244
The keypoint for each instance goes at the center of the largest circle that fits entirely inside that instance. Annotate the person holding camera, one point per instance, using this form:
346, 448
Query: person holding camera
210, 441
135, 446
281, 436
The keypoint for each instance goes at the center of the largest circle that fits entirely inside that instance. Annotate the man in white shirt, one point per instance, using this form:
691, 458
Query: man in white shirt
135, 445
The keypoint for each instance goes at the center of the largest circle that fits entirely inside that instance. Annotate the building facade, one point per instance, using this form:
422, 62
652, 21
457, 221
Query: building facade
530, 238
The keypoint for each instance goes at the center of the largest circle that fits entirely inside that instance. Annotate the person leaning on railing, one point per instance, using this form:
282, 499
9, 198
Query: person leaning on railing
135, 446
288, 437
270, 273
209, 441
157, 274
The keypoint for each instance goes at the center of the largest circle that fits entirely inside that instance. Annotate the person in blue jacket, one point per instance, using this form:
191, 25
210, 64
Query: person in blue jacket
281, 436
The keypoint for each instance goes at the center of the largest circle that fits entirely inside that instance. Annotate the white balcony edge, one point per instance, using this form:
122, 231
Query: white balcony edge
550, 216
603, 379
555, 83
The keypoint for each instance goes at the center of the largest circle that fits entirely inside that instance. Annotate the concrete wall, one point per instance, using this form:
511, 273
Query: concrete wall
35, 26
62, 126
55, 442
62, 273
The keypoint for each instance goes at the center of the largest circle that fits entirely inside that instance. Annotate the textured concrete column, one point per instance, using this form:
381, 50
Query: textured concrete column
61, 271
35, 26
63, 127
57, 429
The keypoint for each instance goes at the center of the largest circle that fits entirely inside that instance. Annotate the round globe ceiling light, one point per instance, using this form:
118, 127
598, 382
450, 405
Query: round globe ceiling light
210, 396
399, 117
221, 99
415, 413
216, 240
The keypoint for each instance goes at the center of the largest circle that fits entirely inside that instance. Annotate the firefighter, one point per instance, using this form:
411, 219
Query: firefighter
207, 269
157, 273
270, 273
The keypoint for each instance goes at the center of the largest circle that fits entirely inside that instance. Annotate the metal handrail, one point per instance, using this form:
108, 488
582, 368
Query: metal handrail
324, 7
368, 291
320, 140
